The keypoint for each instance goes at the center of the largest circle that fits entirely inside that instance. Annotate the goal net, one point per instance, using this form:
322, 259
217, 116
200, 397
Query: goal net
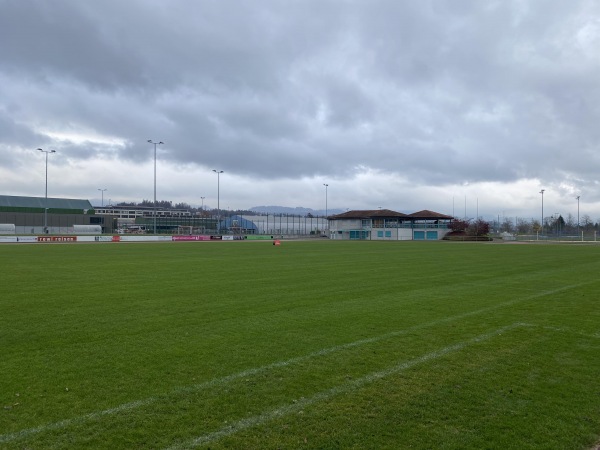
184, 229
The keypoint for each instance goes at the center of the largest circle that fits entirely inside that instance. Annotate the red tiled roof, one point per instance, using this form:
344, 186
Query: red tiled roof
426, 214
387, 213
368, 213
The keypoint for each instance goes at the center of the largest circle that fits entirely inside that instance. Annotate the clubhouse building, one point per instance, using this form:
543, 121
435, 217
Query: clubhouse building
387, 225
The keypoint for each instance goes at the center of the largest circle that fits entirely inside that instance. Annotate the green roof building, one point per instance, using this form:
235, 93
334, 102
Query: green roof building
27, 214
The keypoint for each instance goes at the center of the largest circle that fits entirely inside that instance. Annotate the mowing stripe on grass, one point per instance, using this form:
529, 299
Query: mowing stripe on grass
215, 382
341, 389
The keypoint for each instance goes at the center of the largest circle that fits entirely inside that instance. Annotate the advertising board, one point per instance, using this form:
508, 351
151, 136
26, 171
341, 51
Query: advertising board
191, 238
56, 238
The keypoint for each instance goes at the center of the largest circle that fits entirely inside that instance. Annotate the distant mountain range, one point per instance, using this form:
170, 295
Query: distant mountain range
298, 210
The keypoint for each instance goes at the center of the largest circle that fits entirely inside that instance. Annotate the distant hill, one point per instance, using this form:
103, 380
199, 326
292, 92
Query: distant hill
298, 210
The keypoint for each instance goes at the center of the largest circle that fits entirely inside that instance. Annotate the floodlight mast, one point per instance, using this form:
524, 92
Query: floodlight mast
155, 144
326, 212
218, 172
102, 190
542, 192
577, 214
46, 194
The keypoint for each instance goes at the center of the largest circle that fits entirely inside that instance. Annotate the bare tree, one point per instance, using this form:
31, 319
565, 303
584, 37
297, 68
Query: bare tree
524, 226
586, 222
479, 227
571, 224
507, 225
536, 226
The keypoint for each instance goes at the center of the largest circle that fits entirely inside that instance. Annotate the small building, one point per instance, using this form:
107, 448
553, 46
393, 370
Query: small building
388, 225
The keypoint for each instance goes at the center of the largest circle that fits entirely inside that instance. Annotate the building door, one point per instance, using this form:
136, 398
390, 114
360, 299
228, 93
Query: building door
432, 236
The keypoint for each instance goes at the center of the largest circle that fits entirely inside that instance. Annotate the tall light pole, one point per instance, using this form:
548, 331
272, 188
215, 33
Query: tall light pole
577, 213
218, 172
326, 221
46, 195
202, 207
102, 190
542, 192
155, 144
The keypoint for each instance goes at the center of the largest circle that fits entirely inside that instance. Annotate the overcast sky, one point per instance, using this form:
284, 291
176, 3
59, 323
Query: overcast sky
405, 105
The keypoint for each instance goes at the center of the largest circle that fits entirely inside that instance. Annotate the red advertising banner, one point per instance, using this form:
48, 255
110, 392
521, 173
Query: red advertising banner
116, 238
57, 238
191, 238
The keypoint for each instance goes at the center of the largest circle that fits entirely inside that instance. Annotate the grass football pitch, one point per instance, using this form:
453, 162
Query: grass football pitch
327, 345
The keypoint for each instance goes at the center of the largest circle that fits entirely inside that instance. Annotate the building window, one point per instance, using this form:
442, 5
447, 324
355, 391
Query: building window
380, 234
359, 234
388, 234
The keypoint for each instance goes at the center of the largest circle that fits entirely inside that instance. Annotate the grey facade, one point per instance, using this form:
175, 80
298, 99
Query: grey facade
27, 215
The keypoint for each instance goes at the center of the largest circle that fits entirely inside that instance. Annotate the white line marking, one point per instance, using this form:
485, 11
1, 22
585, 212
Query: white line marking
226, 379
343, 388
570, 330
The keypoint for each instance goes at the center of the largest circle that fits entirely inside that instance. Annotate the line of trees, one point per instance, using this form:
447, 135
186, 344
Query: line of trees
552, 225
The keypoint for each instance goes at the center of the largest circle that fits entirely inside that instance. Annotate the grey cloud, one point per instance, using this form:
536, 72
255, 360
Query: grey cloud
437, 92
